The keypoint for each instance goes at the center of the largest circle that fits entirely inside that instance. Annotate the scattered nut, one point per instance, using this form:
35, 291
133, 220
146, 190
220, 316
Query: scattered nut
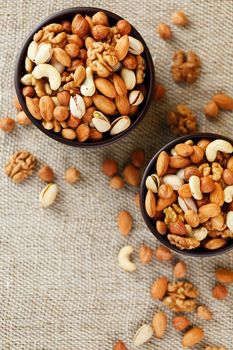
7, 124
159, 324
179, 18
182, 121
145, 254
116, 182
185, 67
22, 119
211, 109
72, 175
46, 173
138, 158
110, 167
224, 275
159, 92
204, 313
180, 323
48, 195
131, 175
220, 292
164, 31
163, 253
124, 222
179, 270
192, 337
20, 166
124, 259
119, 345
159, 288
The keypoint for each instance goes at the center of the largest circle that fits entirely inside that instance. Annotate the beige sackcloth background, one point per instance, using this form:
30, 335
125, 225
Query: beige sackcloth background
60, 284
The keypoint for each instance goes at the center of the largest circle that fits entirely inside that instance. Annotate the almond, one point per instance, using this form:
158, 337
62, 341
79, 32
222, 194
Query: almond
159, 288
105, 87
119, 85
33, 107
163, 253
184, 191
124, 222
207, 184
180, 323
178, 228
183, 149
179, 270
219, 292
211, 109
204, 313
203, 143
165, 191
119, 346
224, 275
192, 218
191, 171
145, 254
159, 324
122, 47
122, 104
228, 177
223, 101
178, 162
131, 175
161, 227
217, 195
210, 210
164, 203
192, 336
150, 204
215, 243
104, 104
198, 154
62, 57
162, 163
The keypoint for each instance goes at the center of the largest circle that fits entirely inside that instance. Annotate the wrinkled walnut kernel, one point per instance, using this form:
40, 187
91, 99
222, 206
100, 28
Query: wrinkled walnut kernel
185, 67
182, 121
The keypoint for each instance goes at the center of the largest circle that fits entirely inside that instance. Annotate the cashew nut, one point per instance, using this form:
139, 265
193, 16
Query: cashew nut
175, 181
195, 187
88, 86
26, 79
187, 204
173, 152
199, 233
48, 71
143, 334
215, 146
229, 220
228, 194
32, 50
153, 183
124, 259
77, 106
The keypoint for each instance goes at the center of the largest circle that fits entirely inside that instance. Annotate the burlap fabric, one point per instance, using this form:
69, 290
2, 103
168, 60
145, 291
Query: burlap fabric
60, 285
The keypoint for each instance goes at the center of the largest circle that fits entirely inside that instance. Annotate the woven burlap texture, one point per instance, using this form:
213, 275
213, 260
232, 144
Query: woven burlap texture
60, 284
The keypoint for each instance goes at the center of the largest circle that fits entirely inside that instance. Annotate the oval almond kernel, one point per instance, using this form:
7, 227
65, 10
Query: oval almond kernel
159, 288
224, 275
105, 87
124, 222
122, 104
104, 104
178, 228
178, 162
162, 163
159, 324
223, 101
210, 210
192, 336
119, 85
150, 204
122, 47
215, 243
183, 149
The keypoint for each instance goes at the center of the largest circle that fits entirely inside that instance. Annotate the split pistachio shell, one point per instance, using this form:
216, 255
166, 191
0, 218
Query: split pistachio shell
135, 97
44, 53
143, 335
199, 233
32, 50
77, 106
153, 183
88, 86
48, 195
100, 122
129, 78
135, 46
119, 125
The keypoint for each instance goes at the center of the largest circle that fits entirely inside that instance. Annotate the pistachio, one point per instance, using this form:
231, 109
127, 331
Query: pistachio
135, 97
48, 195
119, 125
153, 183
44, 53
129, 78
143, 335
32, 50
77, 106
135, 46
100, 122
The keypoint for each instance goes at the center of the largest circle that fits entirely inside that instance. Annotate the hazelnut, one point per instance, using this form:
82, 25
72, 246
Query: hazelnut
180, 323
228, 177
123, 27
80, 26
220, 292
23, 119
164, 31
17, 103
73, 122
163, 253
207, 184
161, 227
66, 25
204, 313
7, 124
72, 175
138, 158
179, 18
130, 61
88, 115
82, 132
159, 92
95, 135
137, 199
100, 32
131, 175
61, 113
110, 167
63, 98
72, 50
116, 182
100, 18
179, 270
28, 91
145, 254
46, 173
211, 109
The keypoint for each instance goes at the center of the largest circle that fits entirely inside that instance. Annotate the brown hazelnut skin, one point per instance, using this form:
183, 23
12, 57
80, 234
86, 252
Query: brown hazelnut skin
73, 122
211, 109
72, 175
100, 32
123, 27
159, 92
28, 91
130, 61
80, 26
100, 18
7, 124
66, 26
46, 173
116, 182
110, 167
72, 50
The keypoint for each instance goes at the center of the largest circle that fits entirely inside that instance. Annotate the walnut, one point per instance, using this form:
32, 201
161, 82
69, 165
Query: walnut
222, 158
181, 297
20, 166
217, 171
182, 121
183, 242
205, 169
185, 67
141, 66
170, 215
226, 234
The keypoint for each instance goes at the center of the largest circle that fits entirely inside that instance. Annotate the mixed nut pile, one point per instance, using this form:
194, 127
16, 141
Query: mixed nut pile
84, 78
190, 196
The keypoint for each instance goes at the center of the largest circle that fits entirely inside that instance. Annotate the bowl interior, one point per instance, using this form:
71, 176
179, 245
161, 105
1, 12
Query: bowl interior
201, 252
148, 82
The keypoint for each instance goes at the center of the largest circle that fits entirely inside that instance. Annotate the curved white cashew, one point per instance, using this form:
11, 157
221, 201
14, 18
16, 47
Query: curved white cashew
100, 122
143, 334
48, 71
215, 146
124, 259
195, 187
153, 183
32, 50
199, 233
229, 220
88, 86
175, 181
187, 204
77, 106
228, 194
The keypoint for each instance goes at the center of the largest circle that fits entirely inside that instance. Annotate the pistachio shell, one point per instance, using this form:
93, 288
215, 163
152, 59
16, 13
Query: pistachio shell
135, 46
32, 50
44, 53
77, 106
135, 97
48, 195
143, 335
129, 78
153, 183
119, 125
100, 122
